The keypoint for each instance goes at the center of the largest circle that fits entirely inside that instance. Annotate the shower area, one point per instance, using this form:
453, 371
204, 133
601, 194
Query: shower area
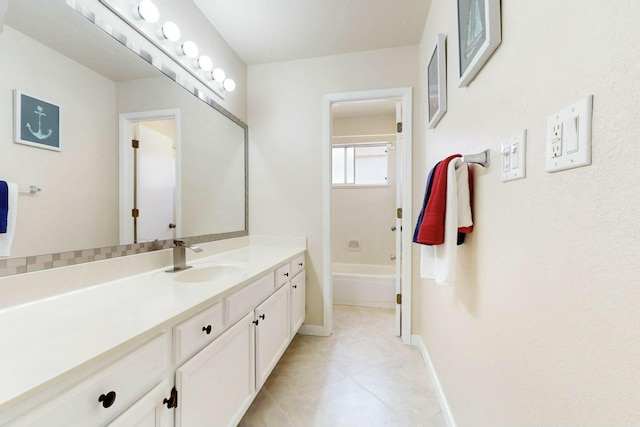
364, 203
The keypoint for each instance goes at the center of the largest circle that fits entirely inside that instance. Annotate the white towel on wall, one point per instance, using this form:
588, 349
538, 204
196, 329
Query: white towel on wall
439, 262
6, 239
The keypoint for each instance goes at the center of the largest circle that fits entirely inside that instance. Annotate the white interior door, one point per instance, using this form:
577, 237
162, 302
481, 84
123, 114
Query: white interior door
398, 230
156, 185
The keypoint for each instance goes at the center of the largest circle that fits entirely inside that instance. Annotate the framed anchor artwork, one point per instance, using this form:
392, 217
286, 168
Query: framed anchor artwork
38, 122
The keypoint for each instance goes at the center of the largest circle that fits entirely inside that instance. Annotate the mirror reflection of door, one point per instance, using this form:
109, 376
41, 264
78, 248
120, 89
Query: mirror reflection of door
156, 180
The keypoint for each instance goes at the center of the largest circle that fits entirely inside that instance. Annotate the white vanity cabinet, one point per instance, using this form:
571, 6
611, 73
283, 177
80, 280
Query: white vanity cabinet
217, 385
272, 333
202, 370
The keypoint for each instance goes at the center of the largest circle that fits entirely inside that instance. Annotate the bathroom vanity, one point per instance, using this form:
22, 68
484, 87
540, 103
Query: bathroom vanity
188, 349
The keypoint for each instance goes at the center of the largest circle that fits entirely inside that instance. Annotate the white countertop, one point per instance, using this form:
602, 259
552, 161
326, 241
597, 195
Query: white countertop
46, 339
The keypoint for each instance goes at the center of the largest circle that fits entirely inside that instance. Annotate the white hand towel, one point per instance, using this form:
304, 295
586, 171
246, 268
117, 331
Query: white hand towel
6, 239
464, 198
439, 262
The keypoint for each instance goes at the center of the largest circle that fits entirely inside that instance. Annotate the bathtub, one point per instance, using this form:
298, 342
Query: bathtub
364, 285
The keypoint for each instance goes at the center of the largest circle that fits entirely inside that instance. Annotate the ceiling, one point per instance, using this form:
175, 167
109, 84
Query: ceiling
263, 31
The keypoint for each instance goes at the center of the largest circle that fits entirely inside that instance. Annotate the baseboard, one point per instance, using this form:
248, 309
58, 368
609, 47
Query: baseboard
416, 340
315, 330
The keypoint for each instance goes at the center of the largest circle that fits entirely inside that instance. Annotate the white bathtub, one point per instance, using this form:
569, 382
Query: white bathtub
364, 285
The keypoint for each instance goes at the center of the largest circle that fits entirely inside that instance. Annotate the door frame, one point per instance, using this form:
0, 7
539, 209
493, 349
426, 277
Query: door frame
405, 95
125, 125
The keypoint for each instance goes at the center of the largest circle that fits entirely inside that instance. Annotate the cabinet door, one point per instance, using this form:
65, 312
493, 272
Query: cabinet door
216, 386
298, 285
150, 411
272, 333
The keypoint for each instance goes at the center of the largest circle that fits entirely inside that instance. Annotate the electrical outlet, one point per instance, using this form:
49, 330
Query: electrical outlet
556, 140
569, 136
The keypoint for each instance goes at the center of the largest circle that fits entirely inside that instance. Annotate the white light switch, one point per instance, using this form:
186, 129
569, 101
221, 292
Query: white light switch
569, 136
514, 157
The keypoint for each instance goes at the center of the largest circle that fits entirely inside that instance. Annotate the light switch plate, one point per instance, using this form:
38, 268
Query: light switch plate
569, 136
514, 157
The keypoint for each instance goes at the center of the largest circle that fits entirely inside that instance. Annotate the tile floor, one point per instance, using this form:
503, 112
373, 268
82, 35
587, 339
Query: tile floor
361, 376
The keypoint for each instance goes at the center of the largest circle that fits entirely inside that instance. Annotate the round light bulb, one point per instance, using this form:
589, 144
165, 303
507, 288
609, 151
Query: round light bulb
189, 49
148, 11
218, 75
170, 31
229, 85
205, 63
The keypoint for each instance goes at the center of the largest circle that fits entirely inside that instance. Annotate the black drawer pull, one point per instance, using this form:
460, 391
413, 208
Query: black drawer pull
261, 316
256, 322
300, 264
206, 329
107, 399
286, 274
295, 286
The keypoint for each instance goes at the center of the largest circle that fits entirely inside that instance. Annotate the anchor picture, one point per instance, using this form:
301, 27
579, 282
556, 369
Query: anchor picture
37, 122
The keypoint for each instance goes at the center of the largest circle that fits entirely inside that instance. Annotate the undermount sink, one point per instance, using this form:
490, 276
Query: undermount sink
209, 273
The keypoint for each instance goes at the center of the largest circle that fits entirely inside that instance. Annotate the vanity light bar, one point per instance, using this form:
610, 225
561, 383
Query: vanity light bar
145, 14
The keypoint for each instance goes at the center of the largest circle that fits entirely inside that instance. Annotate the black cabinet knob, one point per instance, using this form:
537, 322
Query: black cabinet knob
300, 264
256, 322
295, 286
286, 274
107, 399
206, 329
261, 316
172, 401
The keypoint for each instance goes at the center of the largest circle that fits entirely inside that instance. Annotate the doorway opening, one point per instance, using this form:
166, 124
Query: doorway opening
149, 176
367, 187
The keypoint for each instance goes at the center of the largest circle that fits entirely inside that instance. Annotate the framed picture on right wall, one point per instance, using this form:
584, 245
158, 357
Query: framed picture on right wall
479, 34
437, 82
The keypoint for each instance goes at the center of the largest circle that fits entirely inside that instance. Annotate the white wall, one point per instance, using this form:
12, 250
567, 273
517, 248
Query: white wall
285, 142
51, 221
365, 214
541, 328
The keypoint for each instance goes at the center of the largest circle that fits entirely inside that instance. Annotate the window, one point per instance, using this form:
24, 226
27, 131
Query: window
365, 164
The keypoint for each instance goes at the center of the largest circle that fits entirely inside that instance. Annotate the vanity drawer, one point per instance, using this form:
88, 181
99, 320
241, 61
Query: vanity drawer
247, 298
297, 265
283, 274
107, 393
194, 333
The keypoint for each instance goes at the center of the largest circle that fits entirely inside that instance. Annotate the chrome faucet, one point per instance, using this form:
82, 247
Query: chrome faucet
180, 257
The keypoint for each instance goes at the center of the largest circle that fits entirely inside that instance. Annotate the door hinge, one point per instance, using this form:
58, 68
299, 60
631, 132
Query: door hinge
172, 401
135, 213
135, 143
399, 127
398, 298
399, 213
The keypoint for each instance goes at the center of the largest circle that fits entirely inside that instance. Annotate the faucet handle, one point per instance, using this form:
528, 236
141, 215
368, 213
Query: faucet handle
183, 244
